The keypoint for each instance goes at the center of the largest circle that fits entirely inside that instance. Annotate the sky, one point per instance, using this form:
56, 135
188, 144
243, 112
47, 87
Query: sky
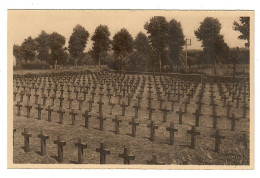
25, 23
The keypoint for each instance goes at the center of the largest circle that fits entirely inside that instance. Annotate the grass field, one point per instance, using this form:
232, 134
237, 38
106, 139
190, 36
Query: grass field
231, 152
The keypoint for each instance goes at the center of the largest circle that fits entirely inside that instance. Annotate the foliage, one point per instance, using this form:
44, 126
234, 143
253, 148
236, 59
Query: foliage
122, 43
244, 28
214, 47
175, 41
28, 48
36, 64
17, 52
58, 53
43, 47
101, 43
78, 41
157, 29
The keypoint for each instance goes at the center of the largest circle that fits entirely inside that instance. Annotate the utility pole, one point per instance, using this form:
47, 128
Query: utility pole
187, 42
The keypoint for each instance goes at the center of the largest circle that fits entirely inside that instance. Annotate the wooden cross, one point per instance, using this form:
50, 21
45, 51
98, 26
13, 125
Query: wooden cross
101, 122
245, 107
14, 130
73, 116
49, 109
100, 103
90, 104
70, 101
217, 137
243, 139
43, 142
197, 114
153, 127
193, 134
26, 135
233, 121
134, 124
44, 97
81, 146
150, 109
165, 112
112, 106
18, 105
61, 112
180, 115
39, 108
136, 110
103, 152
228, 109
117, 121
171, 129
123, 105
60, 145
86, 116
215, 117
80, 100
126, 156
154, 161
28, 107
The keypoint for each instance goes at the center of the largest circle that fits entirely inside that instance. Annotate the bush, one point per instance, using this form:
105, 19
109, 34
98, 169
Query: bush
32, 65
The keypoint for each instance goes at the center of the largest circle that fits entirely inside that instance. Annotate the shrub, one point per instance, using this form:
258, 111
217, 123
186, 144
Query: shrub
32, 65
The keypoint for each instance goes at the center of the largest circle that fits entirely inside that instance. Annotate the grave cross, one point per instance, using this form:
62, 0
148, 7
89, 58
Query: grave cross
123, 105
197, 114
86, 116
153, 127
180, 115
26, 135
103, 152
154, 161
60, 145
126, 156
193, 133
44, 97
243, 139
80, 146
117, 121
28, 107
150, 109
43, 142
215, 117
18, 105
73, 116
165, 112
61, 112
101, 122
134, 124
217, 137
49, 109
100, 103
39, 108
171, 129
233, 121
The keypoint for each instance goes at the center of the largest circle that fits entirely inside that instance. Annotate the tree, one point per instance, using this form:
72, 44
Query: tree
157, 29
101, 43
140, 57
43, 46
28, 48
213, 43
17, 52
175, 42
122, 45
78, 41
244, 28
57, 42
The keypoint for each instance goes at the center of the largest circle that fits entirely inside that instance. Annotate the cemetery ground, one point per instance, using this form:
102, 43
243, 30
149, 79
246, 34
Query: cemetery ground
165, 93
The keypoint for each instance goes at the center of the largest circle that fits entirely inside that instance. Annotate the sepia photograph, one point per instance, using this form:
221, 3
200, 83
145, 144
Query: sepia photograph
135, 89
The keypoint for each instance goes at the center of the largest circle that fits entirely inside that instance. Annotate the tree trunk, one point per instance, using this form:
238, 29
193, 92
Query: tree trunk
99, 62
56, 62
76, 63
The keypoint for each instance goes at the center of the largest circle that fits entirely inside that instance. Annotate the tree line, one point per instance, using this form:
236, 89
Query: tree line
161, 48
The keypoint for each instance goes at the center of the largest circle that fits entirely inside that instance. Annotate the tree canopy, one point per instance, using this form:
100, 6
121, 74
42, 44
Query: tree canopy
214, 46
78, 41
28, 49
244, 28
43, 47
101, 43
57, 41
